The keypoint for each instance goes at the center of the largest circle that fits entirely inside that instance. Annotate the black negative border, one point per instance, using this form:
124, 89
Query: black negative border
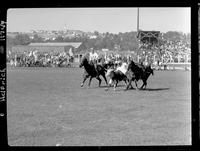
124, 3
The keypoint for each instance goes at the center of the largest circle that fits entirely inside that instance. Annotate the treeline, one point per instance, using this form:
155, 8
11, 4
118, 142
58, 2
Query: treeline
121, 41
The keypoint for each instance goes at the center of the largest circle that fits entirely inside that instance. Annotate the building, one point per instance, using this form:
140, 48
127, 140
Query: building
50, 47
47, 47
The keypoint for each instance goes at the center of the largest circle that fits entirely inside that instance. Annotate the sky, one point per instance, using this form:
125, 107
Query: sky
112, 20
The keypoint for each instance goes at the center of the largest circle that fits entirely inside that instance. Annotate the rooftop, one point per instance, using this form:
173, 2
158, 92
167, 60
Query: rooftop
61, 44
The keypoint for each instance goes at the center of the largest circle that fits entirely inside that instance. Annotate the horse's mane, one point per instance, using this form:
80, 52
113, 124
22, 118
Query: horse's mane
135, 66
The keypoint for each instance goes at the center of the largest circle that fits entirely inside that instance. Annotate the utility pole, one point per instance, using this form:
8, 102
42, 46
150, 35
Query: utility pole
138, 29
137, 19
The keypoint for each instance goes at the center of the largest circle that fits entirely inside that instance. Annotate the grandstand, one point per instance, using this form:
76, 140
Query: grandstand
148, 42
159, 52
150, 36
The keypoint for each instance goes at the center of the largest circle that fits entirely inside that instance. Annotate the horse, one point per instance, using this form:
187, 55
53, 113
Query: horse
115, 77
136, 72
90, 71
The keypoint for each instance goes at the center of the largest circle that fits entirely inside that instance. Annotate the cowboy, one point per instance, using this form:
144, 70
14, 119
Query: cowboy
93, 57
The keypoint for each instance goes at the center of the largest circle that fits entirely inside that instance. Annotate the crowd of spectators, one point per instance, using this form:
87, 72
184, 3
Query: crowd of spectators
116, 58
175, 51
37, 59
166, 52
156, 54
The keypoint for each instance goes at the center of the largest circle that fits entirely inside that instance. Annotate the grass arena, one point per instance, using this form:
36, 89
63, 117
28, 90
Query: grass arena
47, 107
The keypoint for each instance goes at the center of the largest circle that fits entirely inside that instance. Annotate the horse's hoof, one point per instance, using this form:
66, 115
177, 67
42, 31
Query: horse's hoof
81, 85
106, 89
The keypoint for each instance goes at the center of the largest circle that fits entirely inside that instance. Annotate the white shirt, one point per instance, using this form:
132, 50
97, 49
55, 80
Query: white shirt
93, 56
30, 54
123, 68
35, 55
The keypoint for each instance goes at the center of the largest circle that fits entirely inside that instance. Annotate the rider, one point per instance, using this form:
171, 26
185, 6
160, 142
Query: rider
93, 57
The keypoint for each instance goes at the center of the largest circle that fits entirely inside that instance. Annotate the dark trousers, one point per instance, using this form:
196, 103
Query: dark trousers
95, 66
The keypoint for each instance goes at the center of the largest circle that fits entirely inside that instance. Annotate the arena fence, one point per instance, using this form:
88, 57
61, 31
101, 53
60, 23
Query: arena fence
175, 66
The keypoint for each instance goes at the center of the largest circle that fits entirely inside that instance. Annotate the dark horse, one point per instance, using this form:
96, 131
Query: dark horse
137, 72
90, 71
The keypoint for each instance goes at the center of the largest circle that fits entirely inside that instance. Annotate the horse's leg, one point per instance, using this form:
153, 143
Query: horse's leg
85, 77
144, 84
125, 81
105, 78
136, 84
109, 84
90, 81
116, 82
115, 85
129, 83
99, 80
131, 87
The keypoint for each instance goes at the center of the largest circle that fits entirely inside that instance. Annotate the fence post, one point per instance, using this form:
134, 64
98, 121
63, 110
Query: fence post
15, 62
173, 67
178, 58
187, 58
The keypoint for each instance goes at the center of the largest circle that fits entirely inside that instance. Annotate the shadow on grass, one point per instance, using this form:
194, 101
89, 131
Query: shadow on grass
154, 89
105, 86
147, 89
118, 86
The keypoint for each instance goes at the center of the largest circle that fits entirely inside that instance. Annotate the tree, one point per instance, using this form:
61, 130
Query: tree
172, 35
22, 39
37, 38
59, 39
10, 41
96, 33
